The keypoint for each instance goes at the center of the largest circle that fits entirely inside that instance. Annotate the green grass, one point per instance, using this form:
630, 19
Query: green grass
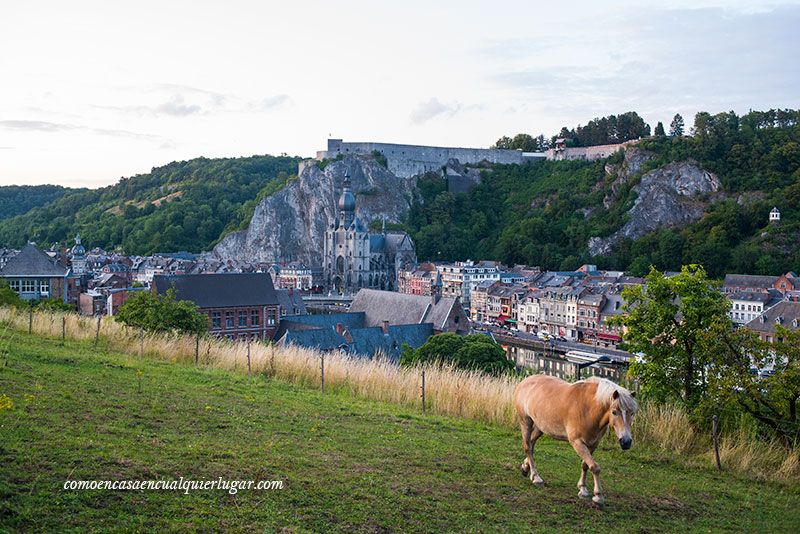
348, 464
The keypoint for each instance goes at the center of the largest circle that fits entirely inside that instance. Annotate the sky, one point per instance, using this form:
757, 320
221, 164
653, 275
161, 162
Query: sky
94, 91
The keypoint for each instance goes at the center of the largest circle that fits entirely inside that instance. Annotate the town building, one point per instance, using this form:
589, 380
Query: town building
461, 277
418, 280
739, 283
774, 216
293, 275
387, 307
354, 258
785, 314
238, 306
34, 275
747, 305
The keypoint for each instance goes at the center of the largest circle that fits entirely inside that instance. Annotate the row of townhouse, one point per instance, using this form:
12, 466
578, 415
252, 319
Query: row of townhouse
576, 305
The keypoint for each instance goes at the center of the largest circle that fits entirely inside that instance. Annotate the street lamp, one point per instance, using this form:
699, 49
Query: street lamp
601, 359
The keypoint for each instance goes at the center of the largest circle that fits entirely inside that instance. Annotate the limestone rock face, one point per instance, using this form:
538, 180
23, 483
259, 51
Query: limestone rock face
634, 159
290, 225
667, 197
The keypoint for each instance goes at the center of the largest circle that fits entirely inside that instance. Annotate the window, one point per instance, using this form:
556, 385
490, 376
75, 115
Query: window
270, 320
14, 284
216, 320
254, 317
242, 318
28, 286
228, 319
44, 287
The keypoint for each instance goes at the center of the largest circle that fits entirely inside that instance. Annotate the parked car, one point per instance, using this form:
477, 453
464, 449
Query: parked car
543, 336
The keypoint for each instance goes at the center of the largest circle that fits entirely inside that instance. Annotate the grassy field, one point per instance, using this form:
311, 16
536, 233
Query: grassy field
348, 464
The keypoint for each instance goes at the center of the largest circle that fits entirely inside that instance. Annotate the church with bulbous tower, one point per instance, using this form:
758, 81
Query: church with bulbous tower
355, 259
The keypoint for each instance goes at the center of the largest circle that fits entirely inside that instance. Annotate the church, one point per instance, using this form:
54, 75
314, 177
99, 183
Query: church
355, 259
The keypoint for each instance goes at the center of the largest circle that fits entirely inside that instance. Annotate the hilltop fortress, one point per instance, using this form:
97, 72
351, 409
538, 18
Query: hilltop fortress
406, 161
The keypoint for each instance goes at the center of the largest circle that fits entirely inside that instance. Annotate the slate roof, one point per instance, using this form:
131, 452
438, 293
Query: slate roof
328, 320
220, 290
291, 303
786, 314
33, 262
749, 280
399, 308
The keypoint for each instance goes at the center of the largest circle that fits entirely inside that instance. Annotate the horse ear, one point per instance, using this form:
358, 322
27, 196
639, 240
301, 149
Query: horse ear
615, 395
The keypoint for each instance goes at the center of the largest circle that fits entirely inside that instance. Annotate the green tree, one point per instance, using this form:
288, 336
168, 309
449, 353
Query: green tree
677, 126
474, 351
666, 320
53, 304
772, 399
161, 313
9, 297
659, 131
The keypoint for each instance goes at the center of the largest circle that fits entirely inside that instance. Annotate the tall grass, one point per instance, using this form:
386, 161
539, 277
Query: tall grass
448, 391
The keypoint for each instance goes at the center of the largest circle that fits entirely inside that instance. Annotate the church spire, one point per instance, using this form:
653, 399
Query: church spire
347, 203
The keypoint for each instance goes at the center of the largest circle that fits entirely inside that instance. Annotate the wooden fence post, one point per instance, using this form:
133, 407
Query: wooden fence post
63, 328
97, 332
423, 390
141, 342
197, 351
322, 371
248, 356
30, 320
715, 436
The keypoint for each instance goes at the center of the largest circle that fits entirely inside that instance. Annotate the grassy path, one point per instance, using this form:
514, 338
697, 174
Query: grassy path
348, 464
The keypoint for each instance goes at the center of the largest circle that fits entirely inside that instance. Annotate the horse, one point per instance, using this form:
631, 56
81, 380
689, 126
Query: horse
579, 413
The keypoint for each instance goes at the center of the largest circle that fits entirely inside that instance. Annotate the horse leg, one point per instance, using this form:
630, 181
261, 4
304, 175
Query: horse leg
535, 435
526, 427
582, 491
586, 455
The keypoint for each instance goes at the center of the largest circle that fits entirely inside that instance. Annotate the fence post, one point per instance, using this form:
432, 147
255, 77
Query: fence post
423, 390
197, 351
248, 356
30, 320
97, 332
322, 371
63, 328
141, 342
715, 435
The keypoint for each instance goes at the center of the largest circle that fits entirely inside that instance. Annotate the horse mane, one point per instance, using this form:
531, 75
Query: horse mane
605, 391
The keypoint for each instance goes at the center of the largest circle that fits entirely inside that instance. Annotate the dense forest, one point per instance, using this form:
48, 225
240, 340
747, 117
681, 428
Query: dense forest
18, 199
544, 213
186, 205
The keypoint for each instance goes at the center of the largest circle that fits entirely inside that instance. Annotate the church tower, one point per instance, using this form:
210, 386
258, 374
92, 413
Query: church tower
78, 254
347, 247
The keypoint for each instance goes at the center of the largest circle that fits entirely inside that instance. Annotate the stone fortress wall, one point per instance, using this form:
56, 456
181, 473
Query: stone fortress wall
410, 160
406, 161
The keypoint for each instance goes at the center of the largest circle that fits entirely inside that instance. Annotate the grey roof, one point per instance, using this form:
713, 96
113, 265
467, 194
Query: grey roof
316, 338
749, 280
220, 290
291, 302
33, 262
784, 313
613, 305
328, 320
399, 308
750, 296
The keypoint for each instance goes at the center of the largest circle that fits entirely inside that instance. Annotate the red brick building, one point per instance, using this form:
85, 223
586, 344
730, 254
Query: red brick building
238, 305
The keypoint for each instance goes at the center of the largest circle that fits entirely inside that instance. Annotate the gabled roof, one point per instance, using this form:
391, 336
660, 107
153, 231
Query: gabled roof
399, 308
291, 302
33, 262
220, 290
784, 314
749, 280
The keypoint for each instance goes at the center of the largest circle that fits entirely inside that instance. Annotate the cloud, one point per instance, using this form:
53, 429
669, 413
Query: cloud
273, 102
430, 109
35, 126
54, 127
177, 107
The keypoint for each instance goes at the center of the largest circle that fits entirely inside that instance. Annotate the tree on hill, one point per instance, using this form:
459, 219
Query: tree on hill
521, 141
659, 131
676, 126
666, 321
473, 352
161, 313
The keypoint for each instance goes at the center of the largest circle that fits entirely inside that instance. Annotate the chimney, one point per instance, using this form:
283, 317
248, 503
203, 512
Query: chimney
339, 328
385, 327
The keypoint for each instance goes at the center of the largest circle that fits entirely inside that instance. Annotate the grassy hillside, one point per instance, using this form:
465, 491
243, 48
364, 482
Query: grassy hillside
186, 205
348, 464
18, 199
544, 213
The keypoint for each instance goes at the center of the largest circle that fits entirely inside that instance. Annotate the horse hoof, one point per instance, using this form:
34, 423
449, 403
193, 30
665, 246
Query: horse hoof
537, 481
598, 500
583, 493
525, 469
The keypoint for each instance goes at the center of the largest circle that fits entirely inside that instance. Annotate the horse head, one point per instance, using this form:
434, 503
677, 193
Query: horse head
621, 412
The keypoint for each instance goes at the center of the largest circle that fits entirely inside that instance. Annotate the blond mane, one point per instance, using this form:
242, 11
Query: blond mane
605, 392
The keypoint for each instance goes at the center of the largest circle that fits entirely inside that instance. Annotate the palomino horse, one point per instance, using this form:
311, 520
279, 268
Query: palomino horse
579, 413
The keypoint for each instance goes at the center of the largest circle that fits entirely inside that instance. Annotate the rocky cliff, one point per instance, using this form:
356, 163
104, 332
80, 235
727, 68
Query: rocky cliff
667, 197
290, 224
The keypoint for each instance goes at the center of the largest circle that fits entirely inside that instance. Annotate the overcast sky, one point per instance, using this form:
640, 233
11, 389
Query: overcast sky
92, 91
